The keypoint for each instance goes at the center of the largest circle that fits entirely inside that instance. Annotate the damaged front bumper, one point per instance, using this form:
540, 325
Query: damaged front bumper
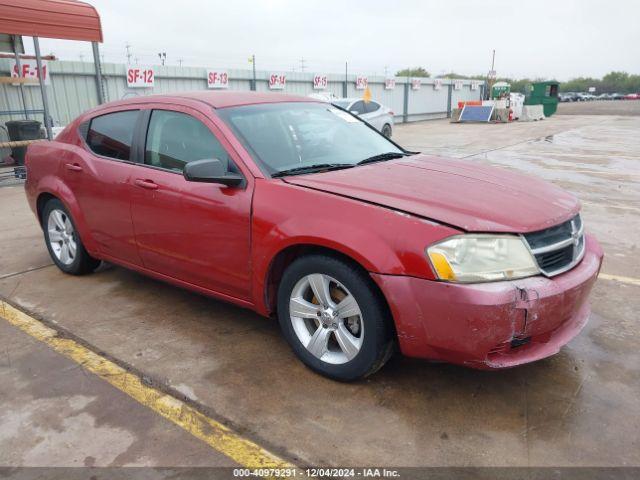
492, 325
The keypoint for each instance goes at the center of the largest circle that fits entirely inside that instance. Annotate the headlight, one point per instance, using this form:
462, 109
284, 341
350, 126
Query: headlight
482, 258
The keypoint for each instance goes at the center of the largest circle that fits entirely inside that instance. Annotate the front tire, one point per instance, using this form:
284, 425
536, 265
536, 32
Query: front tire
386, 130
63, 242
333, 318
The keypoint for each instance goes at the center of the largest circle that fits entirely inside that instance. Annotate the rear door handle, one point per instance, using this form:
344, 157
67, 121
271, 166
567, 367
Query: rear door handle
74, 167
148, 184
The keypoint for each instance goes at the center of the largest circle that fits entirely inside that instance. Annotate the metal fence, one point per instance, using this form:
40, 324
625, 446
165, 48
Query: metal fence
73, 90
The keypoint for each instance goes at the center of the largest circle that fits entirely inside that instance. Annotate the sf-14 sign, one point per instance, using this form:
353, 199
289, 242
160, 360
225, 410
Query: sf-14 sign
277, 81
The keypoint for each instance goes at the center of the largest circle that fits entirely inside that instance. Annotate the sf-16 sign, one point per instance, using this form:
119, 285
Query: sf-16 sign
362, 83
29, 69
140, 77
217, 79
277, 81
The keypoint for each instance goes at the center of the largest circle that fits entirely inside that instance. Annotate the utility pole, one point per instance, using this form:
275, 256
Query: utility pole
128, 47
253, 65
492, 76
302, 65
345, 87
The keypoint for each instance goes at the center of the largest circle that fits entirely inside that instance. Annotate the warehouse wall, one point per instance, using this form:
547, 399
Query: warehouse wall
73, 90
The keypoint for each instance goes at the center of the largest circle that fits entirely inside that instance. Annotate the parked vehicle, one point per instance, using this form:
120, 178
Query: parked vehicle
569, 97
617, 96
297, 209
632, 96
372, 112
604, 96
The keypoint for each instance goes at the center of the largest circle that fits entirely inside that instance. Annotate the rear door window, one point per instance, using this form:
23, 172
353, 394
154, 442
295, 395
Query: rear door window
358, 107
111, 135
371, 107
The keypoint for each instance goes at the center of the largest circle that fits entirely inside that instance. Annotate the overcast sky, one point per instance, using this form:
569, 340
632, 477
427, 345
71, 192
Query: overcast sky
536, 38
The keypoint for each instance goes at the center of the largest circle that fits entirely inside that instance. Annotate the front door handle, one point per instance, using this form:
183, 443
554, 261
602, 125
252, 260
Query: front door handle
148, 184
74, 167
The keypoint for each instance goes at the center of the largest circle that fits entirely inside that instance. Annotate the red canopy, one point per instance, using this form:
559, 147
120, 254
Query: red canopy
66, 19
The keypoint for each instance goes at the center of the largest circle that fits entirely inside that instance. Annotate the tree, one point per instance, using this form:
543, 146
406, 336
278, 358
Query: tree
413, 72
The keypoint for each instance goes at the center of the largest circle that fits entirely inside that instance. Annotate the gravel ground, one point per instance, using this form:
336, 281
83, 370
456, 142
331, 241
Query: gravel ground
600, 107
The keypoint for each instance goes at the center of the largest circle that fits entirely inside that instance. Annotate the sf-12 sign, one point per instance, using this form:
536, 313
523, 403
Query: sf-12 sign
361, 83
277, 81
457, 85
389, 83
140, 77
29, 69
475, 84
437, 84
416, 83
320, 82
217, 79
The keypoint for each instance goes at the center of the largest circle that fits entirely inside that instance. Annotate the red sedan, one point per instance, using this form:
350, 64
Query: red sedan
297, 209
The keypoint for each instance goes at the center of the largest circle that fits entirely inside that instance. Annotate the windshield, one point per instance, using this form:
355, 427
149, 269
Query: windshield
287, 136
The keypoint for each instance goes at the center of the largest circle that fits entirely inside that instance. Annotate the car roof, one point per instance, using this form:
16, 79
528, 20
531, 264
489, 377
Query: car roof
216, 99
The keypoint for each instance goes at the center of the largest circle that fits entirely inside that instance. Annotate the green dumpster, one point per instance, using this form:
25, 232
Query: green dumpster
500, 90
545, 94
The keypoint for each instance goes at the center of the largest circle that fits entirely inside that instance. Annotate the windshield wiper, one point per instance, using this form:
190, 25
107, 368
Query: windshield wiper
316, 167
382, 157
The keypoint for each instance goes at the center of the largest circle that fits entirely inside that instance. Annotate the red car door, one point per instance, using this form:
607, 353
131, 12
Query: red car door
195, 232
99, 179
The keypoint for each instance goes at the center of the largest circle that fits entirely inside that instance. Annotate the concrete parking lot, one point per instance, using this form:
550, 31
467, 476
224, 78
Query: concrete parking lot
578, 408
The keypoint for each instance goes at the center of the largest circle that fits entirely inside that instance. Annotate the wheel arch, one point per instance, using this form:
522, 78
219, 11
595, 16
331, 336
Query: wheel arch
287, 255
64, 195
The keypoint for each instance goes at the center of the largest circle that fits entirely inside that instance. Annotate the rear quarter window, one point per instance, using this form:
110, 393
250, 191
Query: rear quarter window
111, 135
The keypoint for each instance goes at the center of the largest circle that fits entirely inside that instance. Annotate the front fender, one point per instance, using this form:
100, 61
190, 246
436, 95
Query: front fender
380, 239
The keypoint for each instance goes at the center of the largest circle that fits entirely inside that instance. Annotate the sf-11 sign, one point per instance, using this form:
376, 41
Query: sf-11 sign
361, 83
140, 77
217, 79
277, 81
389, 83
457, 85
320, 82
437, 84
416, 83
29, 69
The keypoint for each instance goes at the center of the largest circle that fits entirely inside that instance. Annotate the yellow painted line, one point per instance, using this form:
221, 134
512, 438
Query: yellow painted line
216, 435
619, 278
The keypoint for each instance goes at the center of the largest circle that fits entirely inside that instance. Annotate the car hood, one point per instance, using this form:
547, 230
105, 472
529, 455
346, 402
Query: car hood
464, 194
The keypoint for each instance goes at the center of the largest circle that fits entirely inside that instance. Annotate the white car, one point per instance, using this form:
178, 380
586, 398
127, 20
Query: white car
371, 112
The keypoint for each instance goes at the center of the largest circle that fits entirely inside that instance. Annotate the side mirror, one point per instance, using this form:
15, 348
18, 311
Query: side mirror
355, 112
211, 171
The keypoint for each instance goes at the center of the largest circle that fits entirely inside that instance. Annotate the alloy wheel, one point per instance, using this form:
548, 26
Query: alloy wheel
62, 236
326, 318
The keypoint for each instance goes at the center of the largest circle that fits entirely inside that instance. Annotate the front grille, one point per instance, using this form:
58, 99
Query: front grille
558, 249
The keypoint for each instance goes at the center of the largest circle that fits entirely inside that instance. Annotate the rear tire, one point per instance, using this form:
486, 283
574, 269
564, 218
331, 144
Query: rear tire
63, 241
342, 340
386, 130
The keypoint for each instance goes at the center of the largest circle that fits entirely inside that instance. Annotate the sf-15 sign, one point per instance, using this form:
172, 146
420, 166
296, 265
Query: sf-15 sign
140, 77
29, 69
217, 79
320, 82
